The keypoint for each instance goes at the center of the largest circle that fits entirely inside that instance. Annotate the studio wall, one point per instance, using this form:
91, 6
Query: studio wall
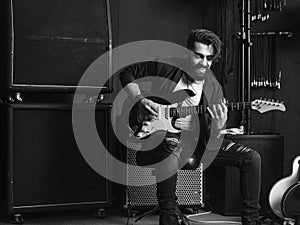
284, 123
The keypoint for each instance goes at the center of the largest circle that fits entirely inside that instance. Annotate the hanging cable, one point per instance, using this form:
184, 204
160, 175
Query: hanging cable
265, 66
260, 9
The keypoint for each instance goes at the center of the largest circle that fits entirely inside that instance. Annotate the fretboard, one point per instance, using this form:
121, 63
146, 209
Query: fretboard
193, 110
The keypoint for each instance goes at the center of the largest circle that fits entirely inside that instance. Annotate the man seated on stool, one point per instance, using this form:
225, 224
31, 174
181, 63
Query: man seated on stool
194, 74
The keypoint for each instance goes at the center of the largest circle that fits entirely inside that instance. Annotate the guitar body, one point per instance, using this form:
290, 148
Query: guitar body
291, 202
280, 189
163, 124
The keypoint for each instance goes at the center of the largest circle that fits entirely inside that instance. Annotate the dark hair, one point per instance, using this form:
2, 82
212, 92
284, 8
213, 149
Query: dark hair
206, 37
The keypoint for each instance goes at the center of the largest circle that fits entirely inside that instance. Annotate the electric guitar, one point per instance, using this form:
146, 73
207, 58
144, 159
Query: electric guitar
169, 110
284, 197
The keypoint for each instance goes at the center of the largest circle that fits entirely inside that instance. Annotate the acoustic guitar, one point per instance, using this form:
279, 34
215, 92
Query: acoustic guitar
284, 197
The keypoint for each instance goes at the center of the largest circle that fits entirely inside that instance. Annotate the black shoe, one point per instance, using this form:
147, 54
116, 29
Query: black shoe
172, 218
252, 222
184, 219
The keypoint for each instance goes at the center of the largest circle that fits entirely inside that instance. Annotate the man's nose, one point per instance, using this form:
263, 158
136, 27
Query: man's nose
204, 61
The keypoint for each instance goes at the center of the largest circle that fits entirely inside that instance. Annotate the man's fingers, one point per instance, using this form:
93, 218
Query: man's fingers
224, 107
211, 113
218, 111
149, 108
152, 110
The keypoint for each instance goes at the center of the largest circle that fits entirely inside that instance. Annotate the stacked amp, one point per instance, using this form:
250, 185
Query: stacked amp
48, 45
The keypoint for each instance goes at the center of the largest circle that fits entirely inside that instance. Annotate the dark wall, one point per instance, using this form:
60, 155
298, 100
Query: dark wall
284, 123
168, 20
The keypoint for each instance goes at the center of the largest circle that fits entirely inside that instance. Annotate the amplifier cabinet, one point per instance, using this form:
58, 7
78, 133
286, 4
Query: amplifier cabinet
44, 168
51, 43
189, 184
223, 184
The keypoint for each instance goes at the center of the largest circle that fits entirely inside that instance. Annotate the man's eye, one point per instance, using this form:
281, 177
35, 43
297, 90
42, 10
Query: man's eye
199, 56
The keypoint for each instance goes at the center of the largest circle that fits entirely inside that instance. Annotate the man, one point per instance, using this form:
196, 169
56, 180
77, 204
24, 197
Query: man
193, 73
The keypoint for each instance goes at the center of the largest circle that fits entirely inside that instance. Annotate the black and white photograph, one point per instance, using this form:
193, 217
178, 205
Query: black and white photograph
147, 112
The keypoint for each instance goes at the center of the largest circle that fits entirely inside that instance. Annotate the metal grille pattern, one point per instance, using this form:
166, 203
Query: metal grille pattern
139, 195
189, 183
189, 187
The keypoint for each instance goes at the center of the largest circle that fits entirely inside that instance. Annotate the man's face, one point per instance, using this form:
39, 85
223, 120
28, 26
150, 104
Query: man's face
200, 59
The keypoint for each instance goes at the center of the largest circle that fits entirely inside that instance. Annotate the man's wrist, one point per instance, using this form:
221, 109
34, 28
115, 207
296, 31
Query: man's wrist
139, 98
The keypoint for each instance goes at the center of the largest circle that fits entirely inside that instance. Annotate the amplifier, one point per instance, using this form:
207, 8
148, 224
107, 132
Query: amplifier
223, 183
44, 169
51, 43
189, 184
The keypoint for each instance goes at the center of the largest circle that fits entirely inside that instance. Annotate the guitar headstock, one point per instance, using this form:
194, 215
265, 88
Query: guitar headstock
265, 105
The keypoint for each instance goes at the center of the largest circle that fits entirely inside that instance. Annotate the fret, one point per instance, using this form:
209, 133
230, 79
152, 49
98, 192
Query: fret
173, 112
238, 105
200, 109
182, 112
196, 110
176, 112
188, 111
192, 110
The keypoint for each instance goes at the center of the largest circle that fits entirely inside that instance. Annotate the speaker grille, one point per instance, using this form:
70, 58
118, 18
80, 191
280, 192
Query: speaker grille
189, 183
189, 187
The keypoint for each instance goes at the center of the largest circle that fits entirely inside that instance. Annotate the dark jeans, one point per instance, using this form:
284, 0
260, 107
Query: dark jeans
249, 163
246, 159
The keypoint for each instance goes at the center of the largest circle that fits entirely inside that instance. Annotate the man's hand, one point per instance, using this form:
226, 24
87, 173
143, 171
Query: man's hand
148, 110
185, 123
218, 114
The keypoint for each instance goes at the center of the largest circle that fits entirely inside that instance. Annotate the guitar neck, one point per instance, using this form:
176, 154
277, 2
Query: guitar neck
200, 109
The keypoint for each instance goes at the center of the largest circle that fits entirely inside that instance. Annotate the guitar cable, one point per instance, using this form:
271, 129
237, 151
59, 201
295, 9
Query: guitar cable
210, 221
210, 210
